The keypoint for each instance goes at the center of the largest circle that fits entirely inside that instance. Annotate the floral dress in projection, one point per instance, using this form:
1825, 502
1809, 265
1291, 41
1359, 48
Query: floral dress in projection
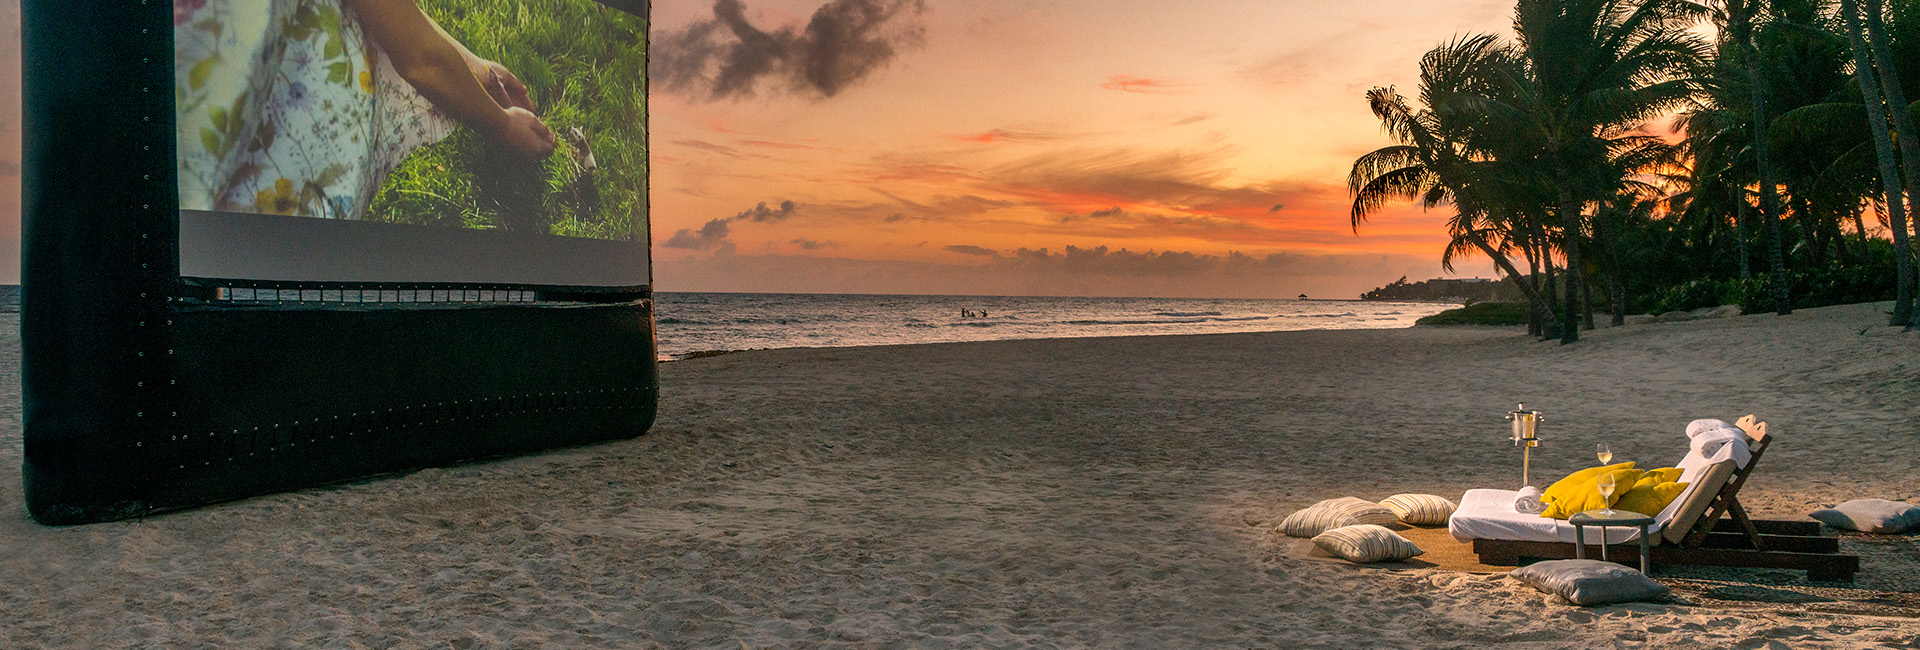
286, 107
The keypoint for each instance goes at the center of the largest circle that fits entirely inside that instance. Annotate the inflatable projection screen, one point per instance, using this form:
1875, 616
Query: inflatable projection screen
278, 243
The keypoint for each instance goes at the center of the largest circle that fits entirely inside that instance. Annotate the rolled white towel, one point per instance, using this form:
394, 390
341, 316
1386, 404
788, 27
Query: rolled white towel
1528, 501
1704, 425
1718, 440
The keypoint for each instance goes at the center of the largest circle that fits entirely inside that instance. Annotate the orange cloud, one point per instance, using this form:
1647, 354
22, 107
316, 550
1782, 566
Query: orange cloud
1009, 135
1132, 84
775, 145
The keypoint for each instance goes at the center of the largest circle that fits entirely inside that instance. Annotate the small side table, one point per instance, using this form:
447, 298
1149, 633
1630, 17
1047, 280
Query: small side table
1603, 519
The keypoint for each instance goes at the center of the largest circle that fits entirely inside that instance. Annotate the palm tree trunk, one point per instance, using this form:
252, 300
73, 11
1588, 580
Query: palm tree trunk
1552, 328
1740, 23
1809, 230
1619, 299
1536, 324
1833, 231
1860, 227
1741, 215
1902, 122
1769, 203
1570, 224
1586, 304
1615, 284
1889, 165
1535, 303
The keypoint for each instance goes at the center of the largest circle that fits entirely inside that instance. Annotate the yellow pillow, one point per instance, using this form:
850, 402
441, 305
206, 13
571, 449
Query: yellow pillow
1658, 476
1587, 497
1650, 500
1573, 481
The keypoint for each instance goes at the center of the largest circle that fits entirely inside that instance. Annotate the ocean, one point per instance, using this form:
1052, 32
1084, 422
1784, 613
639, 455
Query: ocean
700, 322
697, 322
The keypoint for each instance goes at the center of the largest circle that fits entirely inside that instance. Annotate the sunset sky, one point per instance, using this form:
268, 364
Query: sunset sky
1064, 147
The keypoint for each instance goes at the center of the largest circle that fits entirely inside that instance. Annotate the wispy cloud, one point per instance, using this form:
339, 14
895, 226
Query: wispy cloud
1010, 135
1143, 85
1190, 181
1195, 118
703, 145
1165, 223
775, 145
964, 249
896, 209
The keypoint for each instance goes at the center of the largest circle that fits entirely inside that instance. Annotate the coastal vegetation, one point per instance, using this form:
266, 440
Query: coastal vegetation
1641, 156
1445, 290
1480, 313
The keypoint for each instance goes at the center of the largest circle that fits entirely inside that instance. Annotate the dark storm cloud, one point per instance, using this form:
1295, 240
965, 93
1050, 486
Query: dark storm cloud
727, 56
708, 237
811, 245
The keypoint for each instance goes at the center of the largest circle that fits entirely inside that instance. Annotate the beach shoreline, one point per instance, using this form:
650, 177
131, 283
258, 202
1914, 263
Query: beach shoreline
1082, 492
705, 322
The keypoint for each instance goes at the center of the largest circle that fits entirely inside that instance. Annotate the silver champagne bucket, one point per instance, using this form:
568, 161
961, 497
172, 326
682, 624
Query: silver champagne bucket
1526, 436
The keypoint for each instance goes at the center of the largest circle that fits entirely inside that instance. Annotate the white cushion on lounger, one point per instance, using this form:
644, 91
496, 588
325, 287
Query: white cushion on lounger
1489, 514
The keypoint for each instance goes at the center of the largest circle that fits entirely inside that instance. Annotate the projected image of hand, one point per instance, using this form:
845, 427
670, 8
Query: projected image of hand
481, 93
506, 89
525, 134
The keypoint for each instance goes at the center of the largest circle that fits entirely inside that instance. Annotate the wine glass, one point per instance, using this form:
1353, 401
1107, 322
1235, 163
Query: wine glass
1606, 485
1603, 452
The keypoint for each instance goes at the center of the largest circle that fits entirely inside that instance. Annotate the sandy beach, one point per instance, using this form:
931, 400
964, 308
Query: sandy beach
1115, 492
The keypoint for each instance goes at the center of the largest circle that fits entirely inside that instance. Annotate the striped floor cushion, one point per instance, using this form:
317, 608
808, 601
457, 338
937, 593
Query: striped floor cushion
1366, 543
1420, 509
1335, 513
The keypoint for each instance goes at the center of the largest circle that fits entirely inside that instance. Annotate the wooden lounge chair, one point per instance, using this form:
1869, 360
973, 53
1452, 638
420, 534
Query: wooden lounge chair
1707, 539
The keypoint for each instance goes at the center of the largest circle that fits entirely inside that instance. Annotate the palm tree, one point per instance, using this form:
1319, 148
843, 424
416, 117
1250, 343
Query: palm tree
1593, 67
1719, 143
1870, 93
1432, 165
1902, 123
1738, 25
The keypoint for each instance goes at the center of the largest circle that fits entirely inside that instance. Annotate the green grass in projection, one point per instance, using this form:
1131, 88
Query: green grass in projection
584, 66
